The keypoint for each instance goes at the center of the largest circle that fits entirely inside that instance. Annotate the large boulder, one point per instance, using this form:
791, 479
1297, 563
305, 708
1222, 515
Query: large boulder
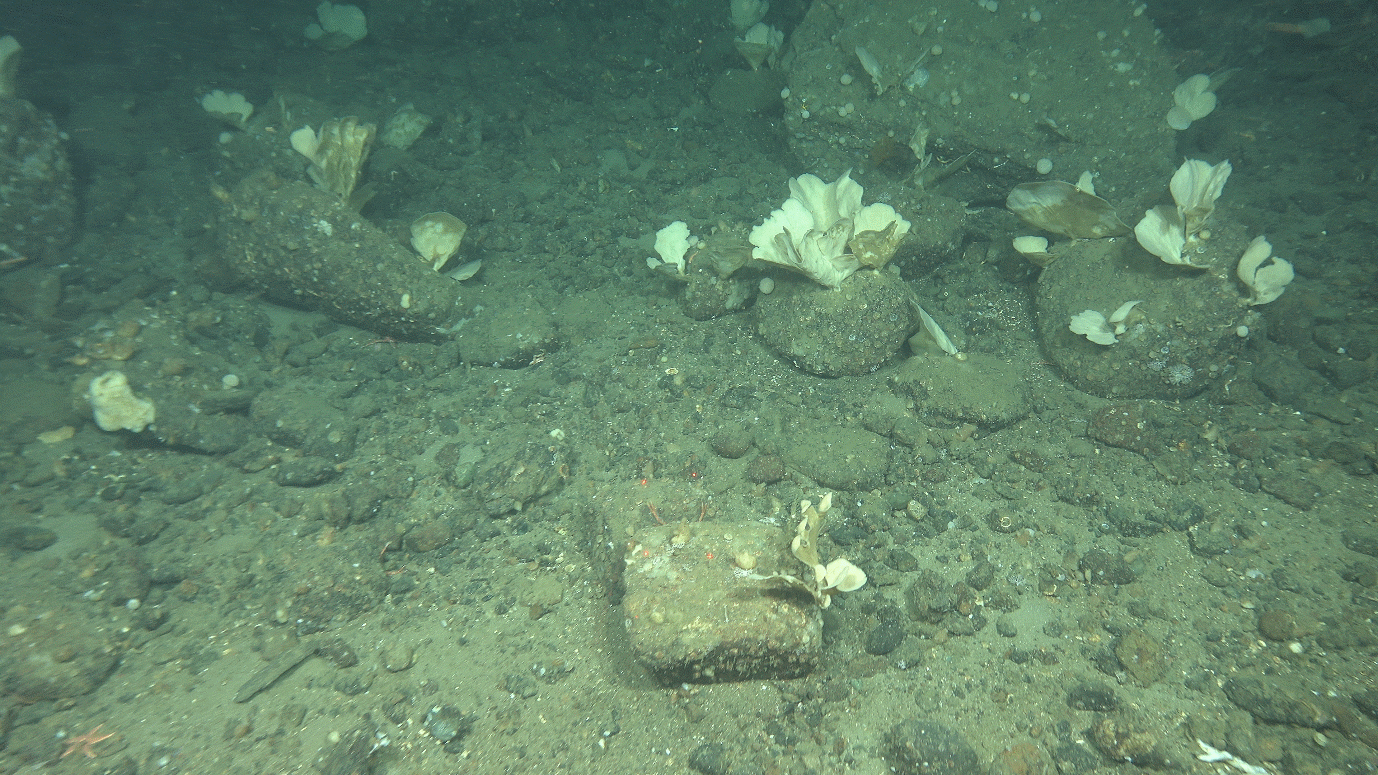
852, 330
1184, 334
695, 613
1010, 87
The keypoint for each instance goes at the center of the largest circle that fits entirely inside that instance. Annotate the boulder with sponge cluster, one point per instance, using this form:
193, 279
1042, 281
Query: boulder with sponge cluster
1120, 323
850, 315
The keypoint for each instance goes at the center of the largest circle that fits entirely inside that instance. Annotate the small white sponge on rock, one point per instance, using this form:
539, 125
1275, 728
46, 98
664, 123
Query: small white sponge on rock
115, 406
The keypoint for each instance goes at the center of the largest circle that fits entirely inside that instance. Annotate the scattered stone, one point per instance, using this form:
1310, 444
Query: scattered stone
542, 595
1128, 738
55, 661
732, 443
360, 273
929, 598
1025, 758
1345, 372
127, 581
179, 425
510, 482
983, 575
918, 747
909, 431
306, 472
449, 725
1362, 539
1285, 380
27, 538
1293, 489
1002, 520
1331, 408
1129, 522
888, 633
707, 295
301, 414
1367, 701
1031, 459
427, 536
1141, 656
1096, 697
1344, 452
188, 488
1005, 626
355, 753
1277, 700
851, 330
1173, 345
883, 410
1125, 426
710, 759
1101, 567
982, 390
1249, 445
1277, 625
840, 457
766, 469
1210, 539
510, 335
40, 204
523, 686
337, 652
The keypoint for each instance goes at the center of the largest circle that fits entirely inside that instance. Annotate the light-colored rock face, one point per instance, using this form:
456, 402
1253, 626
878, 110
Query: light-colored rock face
678, 588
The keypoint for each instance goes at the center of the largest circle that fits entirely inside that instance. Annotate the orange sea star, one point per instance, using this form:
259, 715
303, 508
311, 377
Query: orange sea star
84, 742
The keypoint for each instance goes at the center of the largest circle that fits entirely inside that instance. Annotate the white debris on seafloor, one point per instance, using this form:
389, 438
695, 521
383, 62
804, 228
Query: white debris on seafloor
1213, 754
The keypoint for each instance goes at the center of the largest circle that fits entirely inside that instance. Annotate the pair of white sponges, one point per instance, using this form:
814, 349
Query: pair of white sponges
339, 26
1100, 329
1167, 231
1192, 100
